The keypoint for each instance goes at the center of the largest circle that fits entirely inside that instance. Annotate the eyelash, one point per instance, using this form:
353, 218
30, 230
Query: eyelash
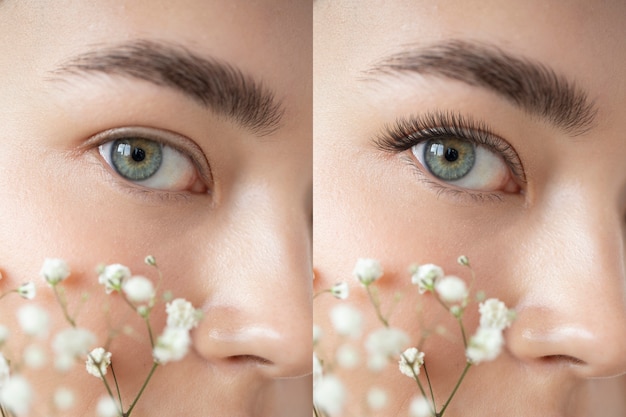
406, 133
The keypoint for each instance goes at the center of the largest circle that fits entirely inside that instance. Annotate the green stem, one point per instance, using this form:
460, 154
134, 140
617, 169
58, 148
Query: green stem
63, 305
467, 366
376, 307
147, 320
462, 332
430, 387
117, 386
1, 297
143, 387
315, 412
320, 293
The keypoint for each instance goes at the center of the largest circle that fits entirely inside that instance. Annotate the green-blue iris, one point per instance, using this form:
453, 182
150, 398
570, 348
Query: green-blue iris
449, 159
136, 159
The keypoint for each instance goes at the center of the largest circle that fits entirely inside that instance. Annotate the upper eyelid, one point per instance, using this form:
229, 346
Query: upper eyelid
167, 138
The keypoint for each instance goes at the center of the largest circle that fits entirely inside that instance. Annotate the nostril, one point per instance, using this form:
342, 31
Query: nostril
249, 359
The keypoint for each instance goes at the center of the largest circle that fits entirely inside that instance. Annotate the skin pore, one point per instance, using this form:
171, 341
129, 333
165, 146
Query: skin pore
226, 86
536, 89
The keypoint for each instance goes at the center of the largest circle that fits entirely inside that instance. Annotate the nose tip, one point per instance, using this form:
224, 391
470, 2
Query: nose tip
278, 348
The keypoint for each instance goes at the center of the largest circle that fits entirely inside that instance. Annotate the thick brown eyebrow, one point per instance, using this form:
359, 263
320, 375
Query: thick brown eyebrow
217, 85
530, 85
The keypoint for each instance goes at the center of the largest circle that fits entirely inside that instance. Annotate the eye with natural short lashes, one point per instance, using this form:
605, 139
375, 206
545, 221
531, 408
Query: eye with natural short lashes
142, 158
456, 153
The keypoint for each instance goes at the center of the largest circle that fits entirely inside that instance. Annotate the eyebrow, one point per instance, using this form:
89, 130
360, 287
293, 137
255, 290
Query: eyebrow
217, 85
530, 85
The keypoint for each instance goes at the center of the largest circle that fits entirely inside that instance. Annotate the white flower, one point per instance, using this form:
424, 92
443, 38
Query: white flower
27, 291
17, 395
367, 270
35, 357
494, 314
340, 290
451, 289
54, 271
376, 399
426, 276
419, 408
346, 320
33, 320
138, 289
112, 277
182, 314
411, 358
377, 362
4, 334
172, 345
98, 361
329, 395
63, 399
5, 370
150, 260
107, 408
317, 333
347, 356
463, 260
71, 343
386, 341
485, 345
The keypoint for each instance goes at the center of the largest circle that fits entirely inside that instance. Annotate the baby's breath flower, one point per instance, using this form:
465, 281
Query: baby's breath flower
35, 357
485, 345
33, 320
426, 276
63, 399
17, 395
27, 290
346, 320
112, 277
367, 270
494, 314
181, 314
451, 289
107, 408
5, 371
419, 408
340, 290
347, 356
98, 362
72, 342
138, 289
172, 345
377, 362
386, 341
411, 358
329, 395
317, 333
376, 399
150, 260
318, 369
54, 270
463, 260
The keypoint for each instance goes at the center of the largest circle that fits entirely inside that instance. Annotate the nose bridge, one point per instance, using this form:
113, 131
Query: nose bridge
574, 305
259, 304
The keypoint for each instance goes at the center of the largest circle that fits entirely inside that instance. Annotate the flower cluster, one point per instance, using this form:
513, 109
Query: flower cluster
387, 343
77, 344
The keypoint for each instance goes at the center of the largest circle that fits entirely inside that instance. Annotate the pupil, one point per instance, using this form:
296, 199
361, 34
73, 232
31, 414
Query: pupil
138, 154
451, 155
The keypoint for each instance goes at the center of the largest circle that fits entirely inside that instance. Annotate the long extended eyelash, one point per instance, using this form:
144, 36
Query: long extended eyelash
408, 132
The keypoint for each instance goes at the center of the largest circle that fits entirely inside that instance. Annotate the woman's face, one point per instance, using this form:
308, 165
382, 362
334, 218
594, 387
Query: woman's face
227, 86
540, 212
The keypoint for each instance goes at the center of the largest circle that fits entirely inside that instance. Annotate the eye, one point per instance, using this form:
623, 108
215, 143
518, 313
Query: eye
152, 164
464, 164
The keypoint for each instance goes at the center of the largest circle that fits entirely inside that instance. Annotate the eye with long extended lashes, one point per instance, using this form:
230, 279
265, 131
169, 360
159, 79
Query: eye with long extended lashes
153, 160
456, 153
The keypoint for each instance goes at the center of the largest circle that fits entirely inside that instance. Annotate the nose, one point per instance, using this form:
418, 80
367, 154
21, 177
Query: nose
257, 311
573, 307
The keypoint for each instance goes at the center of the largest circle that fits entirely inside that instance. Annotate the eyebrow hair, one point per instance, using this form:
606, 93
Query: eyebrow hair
528, 84
217, 85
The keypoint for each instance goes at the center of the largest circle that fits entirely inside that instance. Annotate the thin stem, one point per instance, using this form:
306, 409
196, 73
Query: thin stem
2, 410
1, 297
462, 332
467, 366
315, 411
430, 387
104, 381
320, 293
117, 386
147, 320
417, 380
143, 387
376, 307
61, 299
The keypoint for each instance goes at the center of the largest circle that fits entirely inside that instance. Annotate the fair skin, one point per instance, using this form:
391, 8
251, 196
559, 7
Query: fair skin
544, 231
231, 233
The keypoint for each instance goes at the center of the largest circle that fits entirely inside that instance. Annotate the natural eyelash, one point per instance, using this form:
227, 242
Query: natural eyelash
408, 132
